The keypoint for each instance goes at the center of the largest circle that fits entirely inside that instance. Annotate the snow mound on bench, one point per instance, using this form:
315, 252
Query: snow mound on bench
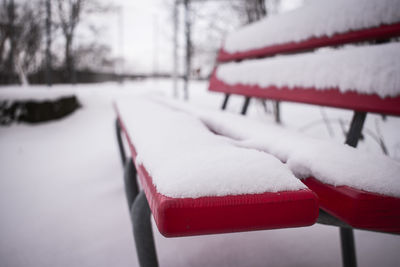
185, 159
325, 160
366, 70
316, 18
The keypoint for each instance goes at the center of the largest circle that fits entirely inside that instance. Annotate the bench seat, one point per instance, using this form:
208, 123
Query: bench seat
263, 193
357, 78
358, 208
226, 214
361, 189
313, 26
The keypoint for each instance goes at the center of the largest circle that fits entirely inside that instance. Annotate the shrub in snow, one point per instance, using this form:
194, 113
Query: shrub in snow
34, 111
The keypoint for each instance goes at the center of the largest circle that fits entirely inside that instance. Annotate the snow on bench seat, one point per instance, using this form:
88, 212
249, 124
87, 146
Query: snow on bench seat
197, 182
359, 78
361, 189
314, 25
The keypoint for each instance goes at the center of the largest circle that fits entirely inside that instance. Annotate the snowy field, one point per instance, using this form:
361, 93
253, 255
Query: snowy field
62, 200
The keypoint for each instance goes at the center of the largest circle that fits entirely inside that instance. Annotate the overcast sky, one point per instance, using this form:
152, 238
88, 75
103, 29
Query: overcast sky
133, 31
142, 32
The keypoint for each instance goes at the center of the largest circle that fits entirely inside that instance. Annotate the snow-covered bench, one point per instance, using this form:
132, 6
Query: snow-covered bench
359, 188
197, 182
208, 173
317, 24
259, 61
205, 172
362, 78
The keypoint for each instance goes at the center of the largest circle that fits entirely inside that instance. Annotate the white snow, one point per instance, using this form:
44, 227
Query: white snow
43, 93
62, 200
329, 162
315, 19
185, 159
366, 70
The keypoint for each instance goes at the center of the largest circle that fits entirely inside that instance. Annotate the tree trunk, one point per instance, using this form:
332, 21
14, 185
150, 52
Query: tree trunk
69, 60
48, 43
11, 27
255, 10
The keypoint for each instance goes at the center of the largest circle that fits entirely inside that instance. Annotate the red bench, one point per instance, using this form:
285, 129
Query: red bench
357, 208
185, 216
379, 32
362, 209
181, 216
211, 212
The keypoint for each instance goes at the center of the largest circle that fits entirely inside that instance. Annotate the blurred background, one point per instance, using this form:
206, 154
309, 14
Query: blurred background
80, 41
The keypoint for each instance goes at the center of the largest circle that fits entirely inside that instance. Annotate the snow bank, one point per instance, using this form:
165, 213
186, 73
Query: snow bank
325, 160
367, 70
185, 159
315, 19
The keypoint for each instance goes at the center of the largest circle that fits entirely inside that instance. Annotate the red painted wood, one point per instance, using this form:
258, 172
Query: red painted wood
211, 215
358, 208
377, 33
329, 97
225, 214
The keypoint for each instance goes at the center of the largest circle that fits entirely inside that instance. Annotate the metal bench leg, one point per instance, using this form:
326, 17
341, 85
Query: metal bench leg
225, 103
245, 105
120, 144
357, 123
349, 258
139, 209
131, 185
142, 232
346, 234
277, 112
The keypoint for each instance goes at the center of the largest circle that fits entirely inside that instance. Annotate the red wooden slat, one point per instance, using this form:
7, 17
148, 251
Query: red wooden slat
327, 97
358, 208
226, 214
378, 33
211, 215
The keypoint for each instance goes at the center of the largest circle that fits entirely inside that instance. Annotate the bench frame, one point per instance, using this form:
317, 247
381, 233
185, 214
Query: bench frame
140, 211
138, 206
137, 203
379, 34
360, 104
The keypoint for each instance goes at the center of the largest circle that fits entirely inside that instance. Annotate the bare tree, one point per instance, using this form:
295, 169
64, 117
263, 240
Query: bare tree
212, 20
250, 11
7, 40
29, 37
48, 43
20, 39
70, 13
95, 57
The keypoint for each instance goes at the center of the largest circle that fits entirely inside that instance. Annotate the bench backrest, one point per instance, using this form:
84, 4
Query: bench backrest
296, 32
382, 32
318, 23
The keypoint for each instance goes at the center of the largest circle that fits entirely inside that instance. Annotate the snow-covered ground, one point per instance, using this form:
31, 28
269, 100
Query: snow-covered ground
62, 201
